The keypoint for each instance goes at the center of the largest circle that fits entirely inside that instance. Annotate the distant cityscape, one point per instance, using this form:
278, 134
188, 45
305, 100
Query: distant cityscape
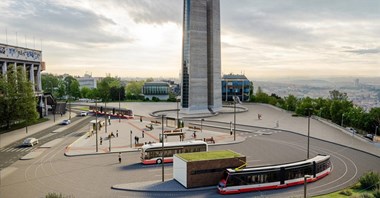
363, 92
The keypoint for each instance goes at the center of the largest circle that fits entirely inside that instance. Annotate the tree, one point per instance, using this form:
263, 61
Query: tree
374, 115
26, 99
303, 105
74, 89
291, 103
104, 87
336, 95
134, 89
49, 83
85, 92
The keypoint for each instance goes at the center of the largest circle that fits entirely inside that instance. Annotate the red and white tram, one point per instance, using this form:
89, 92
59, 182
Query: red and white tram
275, 176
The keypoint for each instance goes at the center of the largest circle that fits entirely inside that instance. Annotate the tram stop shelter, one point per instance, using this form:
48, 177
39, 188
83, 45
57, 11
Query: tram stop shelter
201, 169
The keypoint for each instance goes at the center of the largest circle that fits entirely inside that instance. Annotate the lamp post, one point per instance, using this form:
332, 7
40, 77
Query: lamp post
375, 131
162, 151
202, 124
96, 124
308, 132
53, 108
305, 177
342, 120
235, 116
177, 112
105, 115
131, 138
69, 108
110, 142
119, 105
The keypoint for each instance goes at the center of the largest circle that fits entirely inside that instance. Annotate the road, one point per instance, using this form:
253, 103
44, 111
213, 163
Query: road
15, 151
92, 176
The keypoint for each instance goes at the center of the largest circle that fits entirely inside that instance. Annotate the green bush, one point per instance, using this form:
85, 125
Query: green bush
376, 192
346, 192
370, 180
366, 195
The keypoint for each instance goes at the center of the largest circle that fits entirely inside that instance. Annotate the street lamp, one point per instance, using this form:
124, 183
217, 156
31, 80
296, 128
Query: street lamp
234, 116
110, 142
202, 124
96, 124
376, 130
305, 177
162, 141
105, 115
177, 100
342, 120
131, 138
308, 131
119, 105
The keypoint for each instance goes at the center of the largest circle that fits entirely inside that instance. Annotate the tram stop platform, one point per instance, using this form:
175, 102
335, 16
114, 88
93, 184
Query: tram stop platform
170, 185
130, 134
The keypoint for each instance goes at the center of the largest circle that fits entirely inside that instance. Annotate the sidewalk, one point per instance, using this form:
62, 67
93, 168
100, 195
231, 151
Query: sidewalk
124, 141
12, 136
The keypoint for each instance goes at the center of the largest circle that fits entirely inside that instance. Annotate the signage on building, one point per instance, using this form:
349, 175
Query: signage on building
18, 53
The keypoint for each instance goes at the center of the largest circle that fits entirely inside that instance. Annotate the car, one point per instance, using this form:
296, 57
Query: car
66, 122
352, 130
83, 113
30, 142
369, 136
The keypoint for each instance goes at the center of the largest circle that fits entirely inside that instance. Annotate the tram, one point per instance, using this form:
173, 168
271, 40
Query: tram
275, 176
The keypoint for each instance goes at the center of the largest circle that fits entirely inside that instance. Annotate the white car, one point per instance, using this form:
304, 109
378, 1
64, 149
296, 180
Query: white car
30, 142
350, 129
83, 113
66, 122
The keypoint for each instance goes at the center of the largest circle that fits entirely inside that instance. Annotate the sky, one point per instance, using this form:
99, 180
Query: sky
263, 39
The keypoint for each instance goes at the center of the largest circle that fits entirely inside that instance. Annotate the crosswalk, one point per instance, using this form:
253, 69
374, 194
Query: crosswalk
16, 149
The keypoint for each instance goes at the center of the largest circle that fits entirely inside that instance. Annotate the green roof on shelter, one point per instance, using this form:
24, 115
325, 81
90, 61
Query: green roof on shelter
209, 155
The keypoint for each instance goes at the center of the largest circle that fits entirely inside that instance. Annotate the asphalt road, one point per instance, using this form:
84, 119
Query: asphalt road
14, 151
93, 176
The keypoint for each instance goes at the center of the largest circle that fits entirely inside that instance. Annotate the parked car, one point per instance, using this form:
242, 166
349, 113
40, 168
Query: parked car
352, 130
30, 142
83, 113
66, 122
369, 136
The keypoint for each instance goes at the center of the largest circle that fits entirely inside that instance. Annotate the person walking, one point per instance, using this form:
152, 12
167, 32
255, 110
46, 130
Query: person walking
101, 140
142, 134
119, 157
117, 133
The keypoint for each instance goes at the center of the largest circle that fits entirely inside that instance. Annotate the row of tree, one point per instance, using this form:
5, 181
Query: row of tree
17, 99
108, 89
337, 108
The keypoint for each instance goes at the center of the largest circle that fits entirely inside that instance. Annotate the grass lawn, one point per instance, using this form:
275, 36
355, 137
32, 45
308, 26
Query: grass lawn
210, 155
355, 190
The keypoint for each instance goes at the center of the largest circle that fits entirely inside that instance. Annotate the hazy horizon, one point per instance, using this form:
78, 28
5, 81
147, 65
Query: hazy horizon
143, 38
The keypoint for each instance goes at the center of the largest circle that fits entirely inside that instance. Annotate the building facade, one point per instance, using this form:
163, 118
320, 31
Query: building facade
159, 90
235, 85
13, 57
201, 65
87, 81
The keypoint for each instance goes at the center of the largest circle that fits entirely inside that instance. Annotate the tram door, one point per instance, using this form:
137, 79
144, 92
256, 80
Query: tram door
282, 175
314, 169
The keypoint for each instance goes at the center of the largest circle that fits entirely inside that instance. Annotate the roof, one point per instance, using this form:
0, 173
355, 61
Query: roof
233, 76
156, 84
208, 155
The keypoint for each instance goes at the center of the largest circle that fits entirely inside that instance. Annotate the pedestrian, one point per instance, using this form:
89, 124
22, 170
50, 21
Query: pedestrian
137, 139
194, 135
101, 140
119, 157
117, 133
142, 133
140, 118
109, 120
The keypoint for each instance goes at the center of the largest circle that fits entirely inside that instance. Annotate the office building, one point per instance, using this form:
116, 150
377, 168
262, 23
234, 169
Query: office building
235, 85
201, 64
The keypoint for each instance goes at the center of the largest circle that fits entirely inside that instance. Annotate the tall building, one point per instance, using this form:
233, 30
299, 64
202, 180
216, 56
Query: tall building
87, 81
235, 85
201, 65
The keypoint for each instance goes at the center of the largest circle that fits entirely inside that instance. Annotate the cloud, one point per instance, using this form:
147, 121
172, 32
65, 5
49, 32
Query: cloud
365, 51
154, 12
50, 20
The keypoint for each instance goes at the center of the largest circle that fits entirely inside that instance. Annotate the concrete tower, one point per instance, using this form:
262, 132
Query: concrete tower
201, 65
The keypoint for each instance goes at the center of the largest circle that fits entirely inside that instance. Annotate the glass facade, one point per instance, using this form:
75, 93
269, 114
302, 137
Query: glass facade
238, 87
186, 55
156, 89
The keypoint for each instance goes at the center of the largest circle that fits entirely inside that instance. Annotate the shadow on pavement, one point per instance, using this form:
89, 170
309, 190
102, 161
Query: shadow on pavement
138, 166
